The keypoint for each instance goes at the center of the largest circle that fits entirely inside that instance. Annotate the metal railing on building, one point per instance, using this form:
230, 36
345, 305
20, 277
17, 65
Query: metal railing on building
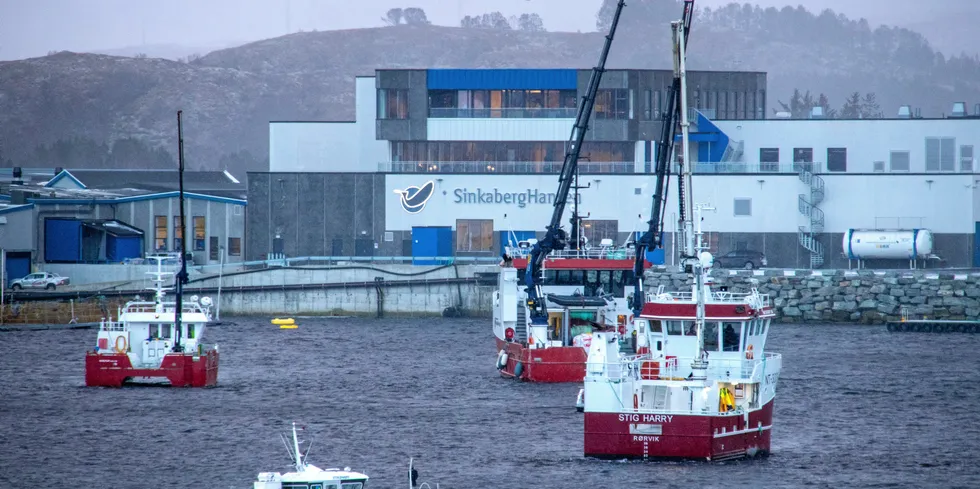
585, 167
502, 113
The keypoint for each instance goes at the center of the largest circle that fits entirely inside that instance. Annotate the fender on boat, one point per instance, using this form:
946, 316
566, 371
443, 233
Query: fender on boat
501, 360
518, 369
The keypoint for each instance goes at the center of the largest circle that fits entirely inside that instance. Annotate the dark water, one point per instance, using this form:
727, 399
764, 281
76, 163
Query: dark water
857, 407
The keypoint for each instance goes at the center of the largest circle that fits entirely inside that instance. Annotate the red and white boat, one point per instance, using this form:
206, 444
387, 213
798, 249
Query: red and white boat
138, 347
585, 292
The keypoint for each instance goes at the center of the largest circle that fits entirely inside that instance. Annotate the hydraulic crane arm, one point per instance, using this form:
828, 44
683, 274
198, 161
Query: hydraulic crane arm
651, 239
556, 238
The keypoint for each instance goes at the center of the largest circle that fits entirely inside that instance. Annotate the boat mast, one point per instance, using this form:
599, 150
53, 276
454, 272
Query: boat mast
299, 456
690, 259
182, 274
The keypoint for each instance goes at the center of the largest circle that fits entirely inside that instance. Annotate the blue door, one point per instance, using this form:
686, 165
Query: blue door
976, 246
429, 242
18, 266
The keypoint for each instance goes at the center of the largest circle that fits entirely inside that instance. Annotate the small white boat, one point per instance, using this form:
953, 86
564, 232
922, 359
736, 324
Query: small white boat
580, 401
309, 476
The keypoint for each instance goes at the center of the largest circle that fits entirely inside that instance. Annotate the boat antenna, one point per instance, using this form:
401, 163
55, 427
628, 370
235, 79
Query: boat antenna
182, 274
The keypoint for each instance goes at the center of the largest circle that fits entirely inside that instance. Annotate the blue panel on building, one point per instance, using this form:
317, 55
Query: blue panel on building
17, 266
431, 242
62, 241
505, 79
511, 238
119, 248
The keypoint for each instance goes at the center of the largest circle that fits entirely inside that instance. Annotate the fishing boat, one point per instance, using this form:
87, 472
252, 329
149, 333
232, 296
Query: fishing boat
157, 341
306, 475
143, 345
700, 384
585, 292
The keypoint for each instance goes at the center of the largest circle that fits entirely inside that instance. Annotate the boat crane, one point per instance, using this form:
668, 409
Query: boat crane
676, 112
555, 237
181, 277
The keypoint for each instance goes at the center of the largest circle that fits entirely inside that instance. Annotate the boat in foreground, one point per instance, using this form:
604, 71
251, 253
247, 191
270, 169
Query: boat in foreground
145, 345
309, 476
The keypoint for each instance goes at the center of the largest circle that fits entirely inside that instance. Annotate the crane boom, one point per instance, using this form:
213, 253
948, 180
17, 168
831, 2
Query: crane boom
555, 237
652, 238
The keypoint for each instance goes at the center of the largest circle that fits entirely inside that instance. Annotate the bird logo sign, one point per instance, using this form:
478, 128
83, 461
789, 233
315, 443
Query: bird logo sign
413, 198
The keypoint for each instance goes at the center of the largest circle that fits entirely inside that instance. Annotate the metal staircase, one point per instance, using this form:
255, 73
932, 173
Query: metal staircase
520, 326
807, 206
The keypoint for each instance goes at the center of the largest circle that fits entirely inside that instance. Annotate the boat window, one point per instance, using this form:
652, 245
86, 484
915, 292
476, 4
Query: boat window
154, 332
618, 283
563, 278
730, 335
690, 328
190, 331
576, 277
655, 327
673, 327
165, 331
351, 485
711, 336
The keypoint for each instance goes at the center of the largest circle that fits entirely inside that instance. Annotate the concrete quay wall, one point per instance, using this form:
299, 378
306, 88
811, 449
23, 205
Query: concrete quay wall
846, 296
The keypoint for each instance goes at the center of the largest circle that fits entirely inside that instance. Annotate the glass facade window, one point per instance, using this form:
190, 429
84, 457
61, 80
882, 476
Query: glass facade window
178, 234
596, 230
493, 156
612, 103
836, 159
502, 103
474, 235
392, 103
234, 246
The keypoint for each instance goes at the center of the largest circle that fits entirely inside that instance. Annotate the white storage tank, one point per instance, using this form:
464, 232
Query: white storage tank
867, 244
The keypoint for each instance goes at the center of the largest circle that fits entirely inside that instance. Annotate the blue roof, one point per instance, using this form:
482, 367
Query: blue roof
138, 198
17, 208
502, 79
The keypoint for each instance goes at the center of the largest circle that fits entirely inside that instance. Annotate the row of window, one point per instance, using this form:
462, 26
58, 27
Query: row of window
940, 157
476, 235
612, 103
160, 234
490, 151
612, 282
502, 103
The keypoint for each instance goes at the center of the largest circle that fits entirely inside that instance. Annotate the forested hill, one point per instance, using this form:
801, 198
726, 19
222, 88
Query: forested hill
74, 110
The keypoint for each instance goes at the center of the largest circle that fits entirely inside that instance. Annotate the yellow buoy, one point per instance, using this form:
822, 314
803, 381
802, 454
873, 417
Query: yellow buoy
283, 321
288, 326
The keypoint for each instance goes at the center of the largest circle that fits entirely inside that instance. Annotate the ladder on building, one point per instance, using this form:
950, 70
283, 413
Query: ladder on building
807, 205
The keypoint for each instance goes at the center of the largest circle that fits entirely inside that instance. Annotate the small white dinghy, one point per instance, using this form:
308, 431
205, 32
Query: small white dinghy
308, 476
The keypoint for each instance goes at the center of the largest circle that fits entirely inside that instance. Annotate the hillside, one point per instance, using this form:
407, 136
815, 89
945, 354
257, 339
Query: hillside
229, 96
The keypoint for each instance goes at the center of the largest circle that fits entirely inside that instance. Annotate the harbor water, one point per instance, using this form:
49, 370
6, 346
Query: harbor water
857, 406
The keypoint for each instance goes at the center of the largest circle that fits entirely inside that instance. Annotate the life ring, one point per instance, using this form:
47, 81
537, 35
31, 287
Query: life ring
636, 402
749, 355
125, 345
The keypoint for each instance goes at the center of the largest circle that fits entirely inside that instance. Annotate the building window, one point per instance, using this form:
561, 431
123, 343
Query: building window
160, 233
612, 104
178, 234
769, 159
743, 207
879, 166
647, 105
836, 159
966, 159
199, 231
802, 159
939, 154
474, 234
595, 230
214, 248
392, 103
760, 111
234, 246
900, 161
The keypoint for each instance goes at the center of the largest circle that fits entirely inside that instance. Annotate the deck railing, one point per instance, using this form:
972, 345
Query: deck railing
753, 298
679, 368
596, 252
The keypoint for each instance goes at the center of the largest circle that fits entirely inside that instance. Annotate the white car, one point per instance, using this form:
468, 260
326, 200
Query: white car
40, 280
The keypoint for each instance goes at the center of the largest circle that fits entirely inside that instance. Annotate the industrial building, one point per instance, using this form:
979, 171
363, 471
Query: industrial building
460, 161
117, 216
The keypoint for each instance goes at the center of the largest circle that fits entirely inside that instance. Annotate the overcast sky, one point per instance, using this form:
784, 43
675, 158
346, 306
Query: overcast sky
31, 28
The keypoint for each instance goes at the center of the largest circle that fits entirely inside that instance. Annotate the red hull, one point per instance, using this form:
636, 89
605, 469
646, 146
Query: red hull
607, 435
557, 364
181, 369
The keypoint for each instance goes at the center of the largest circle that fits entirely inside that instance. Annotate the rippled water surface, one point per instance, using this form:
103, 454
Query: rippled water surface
857, 407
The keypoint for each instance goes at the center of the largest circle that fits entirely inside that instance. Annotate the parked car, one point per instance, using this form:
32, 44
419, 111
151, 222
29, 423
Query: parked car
747, 259
40, 280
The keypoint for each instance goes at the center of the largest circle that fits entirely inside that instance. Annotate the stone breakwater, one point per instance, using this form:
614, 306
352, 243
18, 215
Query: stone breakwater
847, 296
